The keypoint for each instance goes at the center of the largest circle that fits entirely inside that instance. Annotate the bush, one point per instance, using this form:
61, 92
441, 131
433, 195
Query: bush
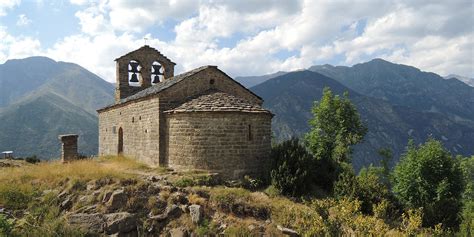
16, 196
32, 159
291, 172
184, 182
6, 226
467, 224
428, 177
369, 188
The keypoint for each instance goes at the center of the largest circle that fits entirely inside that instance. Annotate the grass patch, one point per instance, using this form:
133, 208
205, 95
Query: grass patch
51, 174
184, 182
20, 185
241, 202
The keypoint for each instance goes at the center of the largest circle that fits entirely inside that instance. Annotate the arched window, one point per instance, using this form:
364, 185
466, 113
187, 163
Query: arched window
157, 73
134, 75
120, 141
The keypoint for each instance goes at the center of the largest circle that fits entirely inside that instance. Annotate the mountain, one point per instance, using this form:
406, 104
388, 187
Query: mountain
291, 96
255, 80
406, 86
467, 80
41, 99
20, 77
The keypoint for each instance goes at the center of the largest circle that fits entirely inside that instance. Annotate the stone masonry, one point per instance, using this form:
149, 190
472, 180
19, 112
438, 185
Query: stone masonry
68, 147
201, 119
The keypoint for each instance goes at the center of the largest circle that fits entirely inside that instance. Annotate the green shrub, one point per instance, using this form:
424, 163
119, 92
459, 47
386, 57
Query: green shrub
369, 188
428, 177
291, 172
32, 159
6, 226
251, 183
184, 182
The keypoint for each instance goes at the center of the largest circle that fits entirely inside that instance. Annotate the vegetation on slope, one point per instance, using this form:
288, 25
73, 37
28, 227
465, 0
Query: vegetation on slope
33, 196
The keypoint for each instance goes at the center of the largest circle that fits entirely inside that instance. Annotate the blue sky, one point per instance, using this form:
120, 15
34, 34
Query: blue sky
245, 37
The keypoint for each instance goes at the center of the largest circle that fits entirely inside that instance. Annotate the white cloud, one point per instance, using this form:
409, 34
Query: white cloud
23, 20
17, 47
136, 16
5, 5
431, 35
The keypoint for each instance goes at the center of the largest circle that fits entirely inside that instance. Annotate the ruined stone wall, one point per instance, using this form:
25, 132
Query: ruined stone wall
210, 78
219, 142
140, 125
68, 147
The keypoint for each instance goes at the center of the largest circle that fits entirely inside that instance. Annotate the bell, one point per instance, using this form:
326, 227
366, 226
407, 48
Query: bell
156, 69
134, 78
134, 67
156, 79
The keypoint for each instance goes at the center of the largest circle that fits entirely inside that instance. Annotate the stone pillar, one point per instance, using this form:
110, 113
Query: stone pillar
69, 147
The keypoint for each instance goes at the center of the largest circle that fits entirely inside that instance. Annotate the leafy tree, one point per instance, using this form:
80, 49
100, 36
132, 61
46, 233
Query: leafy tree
291, 173
335, 127
428, 177
467, 225
387, 156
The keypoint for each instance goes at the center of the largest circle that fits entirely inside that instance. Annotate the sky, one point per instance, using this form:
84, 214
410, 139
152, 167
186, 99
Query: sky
243, 37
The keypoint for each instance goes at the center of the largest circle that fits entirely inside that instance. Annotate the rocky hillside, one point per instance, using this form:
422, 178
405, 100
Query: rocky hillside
117, 196
41, 98
291, 96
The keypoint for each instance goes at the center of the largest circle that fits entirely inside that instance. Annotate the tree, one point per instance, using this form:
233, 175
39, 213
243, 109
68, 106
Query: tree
291, 172
335, 127
467, 167
387, 156
428, 177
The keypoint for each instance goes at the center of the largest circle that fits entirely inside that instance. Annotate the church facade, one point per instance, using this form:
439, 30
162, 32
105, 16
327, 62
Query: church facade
199, 120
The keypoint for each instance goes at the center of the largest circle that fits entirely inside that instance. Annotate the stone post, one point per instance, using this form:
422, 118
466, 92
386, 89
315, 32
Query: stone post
69, 147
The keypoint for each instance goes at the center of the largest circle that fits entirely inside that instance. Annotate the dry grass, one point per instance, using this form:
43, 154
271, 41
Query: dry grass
53, 172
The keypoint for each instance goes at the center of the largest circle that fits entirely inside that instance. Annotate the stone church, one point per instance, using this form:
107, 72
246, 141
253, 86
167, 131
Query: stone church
199, 120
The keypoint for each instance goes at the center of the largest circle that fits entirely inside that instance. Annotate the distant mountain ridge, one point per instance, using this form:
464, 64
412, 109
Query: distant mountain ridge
41, 98
467, 80
405, 86
385, 95
255, 80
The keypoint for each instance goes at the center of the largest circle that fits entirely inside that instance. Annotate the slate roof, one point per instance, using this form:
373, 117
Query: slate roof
214, 100
163, 85
155, 89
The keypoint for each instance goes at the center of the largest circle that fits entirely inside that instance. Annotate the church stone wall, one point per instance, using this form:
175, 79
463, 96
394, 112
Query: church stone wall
139, 122
219, 142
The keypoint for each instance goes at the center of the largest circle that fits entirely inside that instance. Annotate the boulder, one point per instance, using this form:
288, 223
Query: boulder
121, 222
66, 204
172, 211
118, 200
287, 231
196, 213
92, 223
